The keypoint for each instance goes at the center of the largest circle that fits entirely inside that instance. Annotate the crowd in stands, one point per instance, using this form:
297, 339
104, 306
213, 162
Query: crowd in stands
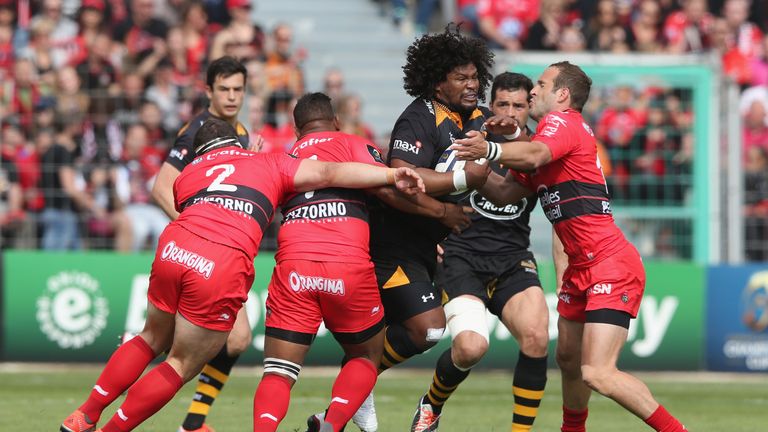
94, 91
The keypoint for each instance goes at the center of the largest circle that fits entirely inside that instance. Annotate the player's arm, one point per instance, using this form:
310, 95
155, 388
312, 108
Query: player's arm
451, 215
162, 190
437, 183
503, 190
560, 259
518, 155
312, 175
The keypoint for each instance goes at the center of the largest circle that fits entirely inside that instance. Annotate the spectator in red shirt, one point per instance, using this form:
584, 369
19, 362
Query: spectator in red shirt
505, 23
688, 29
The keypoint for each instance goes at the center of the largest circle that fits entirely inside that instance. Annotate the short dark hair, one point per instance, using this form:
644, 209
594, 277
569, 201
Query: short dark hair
215, 133
431, 57
575, 80
311, 107
225, 67
511, 81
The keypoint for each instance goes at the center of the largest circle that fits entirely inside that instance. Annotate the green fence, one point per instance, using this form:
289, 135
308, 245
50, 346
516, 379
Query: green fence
75, 306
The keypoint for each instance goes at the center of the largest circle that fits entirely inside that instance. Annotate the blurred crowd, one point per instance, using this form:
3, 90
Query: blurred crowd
94, 91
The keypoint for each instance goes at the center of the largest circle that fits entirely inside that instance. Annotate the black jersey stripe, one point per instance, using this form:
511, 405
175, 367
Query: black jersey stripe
260, 208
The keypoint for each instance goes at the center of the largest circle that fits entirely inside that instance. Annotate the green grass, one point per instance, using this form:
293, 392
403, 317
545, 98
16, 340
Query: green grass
37, 398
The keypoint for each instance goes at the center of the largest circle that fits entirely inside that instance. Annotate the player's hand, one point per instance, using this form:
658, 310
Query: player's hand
256, 143
477, 173
408, 181
501, 125
473, 147
456, 217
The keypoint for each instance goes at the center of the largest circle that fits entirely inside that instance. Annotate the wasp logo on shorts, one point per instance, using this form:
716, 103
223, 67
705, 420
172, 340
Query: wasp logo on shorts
316, 283
72, 311
188, 259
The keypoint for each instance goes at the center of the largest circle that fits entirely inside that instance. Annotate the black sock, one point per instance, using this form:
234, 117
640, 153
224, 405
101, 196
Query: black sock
398, 347
445, 381
528, 389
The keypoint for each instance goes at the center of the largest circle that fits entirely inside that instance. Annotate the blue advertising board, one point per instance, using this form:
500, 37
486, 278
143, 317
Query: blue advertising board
737, 318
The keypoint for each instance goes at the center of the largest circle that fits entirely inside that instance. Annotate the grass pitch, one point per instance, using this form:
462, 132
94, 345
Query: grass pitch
38, 397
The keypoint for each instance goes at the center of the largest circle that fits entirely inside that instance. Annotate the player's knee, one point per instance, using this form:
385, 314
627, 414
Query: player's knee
534, 340
238, 342
597, 378
468, 352
568, 361
239, 339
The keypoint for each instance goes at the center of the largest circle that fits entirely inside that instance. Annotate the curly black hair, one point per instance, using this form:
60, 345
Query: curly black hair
431, 57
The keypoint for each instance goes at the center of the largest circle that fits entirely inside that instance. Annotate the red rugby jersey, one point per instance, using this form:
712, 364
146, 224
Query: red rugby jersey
328, 224
572, 189
229, 196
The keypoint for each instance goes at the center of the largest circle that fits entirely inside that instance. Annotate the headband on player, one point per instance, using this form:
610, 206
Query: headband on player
217, 143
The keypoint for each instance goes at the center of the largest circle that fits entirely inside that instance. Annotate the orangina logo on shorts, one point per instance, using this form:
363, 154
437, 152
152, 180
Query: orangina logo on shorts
188, 259
72, 311
316, 283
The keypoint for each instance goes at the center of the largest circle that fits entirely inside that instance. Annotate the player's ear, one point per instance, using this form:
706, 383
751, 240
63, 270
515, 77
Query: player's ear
336, 123
563, 94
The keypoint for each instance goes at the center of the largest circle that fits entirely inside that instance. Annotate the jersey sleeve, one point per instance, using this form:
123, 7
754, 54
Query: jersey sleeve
287, 166
412, 142
364, 151
182, 152
553, 130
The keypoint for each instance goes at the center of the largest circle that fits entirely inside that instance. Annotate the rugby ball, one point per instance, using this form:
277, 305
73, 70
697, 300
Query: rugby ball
449, 162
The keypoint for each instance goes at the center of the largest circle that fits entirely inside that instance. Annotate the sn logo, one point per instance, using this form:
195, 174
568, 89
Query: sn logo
601, 288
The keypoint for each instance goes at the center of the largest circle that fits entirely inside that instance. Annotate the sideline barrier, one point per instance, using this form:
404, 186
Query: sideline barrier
737, 328
68, 307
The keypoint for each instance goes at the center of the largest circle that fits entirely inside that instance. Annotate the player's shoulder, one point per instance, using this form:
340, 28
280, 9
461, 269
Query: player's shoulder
191, 127
419, 109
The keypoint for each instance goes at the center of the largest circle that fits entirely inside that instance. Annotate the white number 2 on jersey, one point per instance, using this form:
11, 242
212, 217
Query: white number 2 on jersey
218, 183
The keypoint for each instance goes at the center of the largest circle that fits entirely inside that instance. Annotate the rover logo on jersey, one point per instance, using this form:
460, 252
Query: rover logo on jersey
491, 211
316, 283
173, 253
72, 311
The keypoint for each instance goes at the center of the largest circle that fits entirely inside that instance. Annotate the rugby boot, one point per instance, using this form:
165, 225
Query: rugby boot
77, 422
365, 416
315, 423
425, 419
203, 428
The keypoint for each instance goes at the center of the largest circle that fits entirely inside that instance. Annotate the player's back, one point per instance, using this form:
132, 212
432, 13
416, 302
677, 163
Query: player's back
328, 224
229, 195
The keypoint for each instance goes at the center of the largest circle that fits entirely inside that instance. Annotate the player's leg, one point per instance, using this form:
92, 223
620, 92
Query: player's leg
124, 367
192, 347
526, 316
604, 335
283, 358
216, 373
415, 316
291, 324
358, 375
466, 318
575, 393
